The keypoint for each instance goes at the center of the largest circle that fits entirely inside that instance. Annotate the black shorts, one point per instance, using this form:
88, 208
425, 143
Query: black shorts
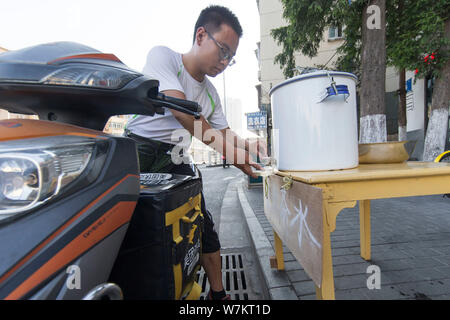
153, 157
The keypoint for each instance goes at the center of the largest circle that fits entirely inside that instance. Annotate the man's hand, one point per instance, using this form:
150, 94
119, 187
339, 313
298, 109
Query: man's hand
244, 163
247, 169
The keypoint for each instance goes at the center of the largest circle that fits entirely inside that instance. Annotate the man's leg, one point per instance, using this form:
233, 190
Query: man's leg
212, 264
211, 259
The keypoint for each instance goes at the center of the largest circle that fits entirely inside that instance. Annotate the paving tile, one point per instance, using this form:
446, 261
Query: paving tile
351, 282
443, 250
426, 288
347, 259
392, 265
387, 292
346, 236
289, 257
429, 274
304, 288
352, 294
292, 265
298, 275
445, 271
444, 259
441, 297
396, 277
283, 293
426, 262
344, 244
430, 252
394, 254
350, 269
345, 251
308, 297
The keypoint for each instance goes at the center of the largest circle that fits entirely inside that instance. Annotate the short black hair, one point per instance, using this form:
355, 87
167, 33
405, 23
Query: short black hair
214, 16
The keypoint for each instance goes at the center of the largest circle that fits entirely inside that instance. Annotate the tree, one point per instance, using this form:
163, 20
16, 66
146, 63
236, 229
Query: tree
418, 39
437, 126
307, 22
373, 73
414, 29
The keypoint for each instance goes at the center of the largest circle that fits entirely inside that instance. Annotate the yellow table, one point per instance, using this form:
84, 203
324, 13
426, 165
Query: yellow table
343, 188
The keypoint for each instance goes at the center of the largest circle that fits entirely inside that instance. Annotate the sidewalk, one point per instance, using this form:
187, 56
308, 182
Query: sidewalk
410, 244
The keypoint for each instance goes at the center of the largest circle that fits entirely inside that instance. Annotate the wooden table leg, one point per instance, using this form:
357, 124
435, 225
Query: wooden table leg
326, 290
278, 251
364, 228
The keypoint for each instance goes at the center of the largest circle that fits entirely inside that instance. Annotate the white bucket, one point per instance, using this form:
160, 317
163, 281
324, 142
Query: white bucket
314, 128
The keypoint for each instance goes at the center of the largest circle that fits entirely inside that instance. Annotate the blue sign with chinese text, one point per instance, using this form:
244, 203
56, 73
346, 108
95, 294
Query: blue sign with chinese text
257, 120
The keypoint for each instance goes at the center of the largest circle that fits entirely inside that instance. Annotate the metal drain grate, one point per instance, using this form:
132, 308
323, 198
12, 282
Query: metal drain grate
233, 276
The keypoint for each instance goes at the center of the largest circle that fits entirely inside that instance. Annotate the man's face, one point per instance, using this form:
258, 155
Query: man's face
218, 49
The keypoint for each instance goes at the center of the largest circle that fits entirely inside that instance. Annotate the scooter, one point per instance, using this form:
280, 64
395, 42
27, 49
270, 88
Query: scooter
69, 192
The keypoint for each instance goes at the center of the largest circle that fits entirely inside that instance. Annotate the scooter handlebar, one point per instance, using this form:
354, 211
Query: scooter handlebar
190, 105
185, 106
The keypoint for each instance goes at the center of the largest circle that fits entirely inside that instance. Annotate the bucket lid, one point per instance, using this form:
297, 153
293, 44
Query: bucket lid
315, 74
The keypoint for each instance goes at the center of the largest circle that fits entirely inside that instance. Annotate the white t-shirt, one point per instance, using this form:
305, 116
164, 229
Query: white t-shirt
167, 66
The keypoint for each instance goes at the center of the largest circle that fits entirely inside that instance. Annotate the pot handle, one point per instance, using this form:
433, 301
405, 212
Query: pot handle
335, 90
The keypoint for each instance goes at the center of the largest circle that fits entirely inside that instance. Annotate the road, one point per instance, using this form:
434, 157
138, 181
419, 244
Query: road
215, 183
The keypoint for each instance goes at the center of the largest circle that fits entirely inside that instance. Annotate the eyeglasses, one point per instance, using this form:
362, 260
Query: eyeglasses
225, 54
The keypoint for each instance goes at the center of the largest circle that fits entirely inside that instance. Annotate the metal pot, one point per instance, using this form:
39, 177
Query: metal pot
315, 122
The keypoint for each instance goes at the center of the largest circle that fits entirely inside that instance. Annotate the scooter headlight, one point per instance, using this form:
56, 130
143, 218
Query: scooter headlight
94, 77
33, 171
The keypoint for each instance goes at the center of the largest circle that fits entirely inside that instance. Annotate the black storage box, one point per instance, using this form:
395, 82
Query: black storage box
160, 255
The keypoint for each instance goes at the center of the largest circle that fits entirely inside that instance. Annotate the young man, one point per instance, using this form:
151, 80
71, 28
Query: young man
216, 39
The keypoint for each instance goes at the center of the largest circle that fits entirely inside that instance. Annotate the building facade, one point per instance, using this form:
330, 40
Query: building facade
116, 125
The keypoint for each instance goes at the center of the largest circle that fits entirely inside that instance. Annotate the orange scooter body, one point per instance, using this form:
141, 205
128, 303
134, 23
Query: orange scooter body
84, 228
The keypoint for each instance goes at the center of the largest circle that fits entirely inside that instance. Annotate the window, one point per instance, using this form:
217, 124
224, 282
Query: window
335, 32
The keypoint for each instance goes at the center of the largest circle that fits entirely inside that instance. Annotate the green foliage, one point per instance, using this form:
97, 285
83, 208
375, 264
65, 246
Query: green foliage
414, 29
349, 58
306, 22
415, 32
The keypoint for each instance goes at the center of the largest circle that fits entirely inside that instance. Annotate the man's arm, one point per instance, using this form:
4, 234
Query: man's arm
215, 138
257, 147
187, 121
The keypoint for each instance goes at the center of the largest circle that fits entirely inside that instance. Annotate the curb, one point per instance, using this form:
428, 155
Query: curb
277, 282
